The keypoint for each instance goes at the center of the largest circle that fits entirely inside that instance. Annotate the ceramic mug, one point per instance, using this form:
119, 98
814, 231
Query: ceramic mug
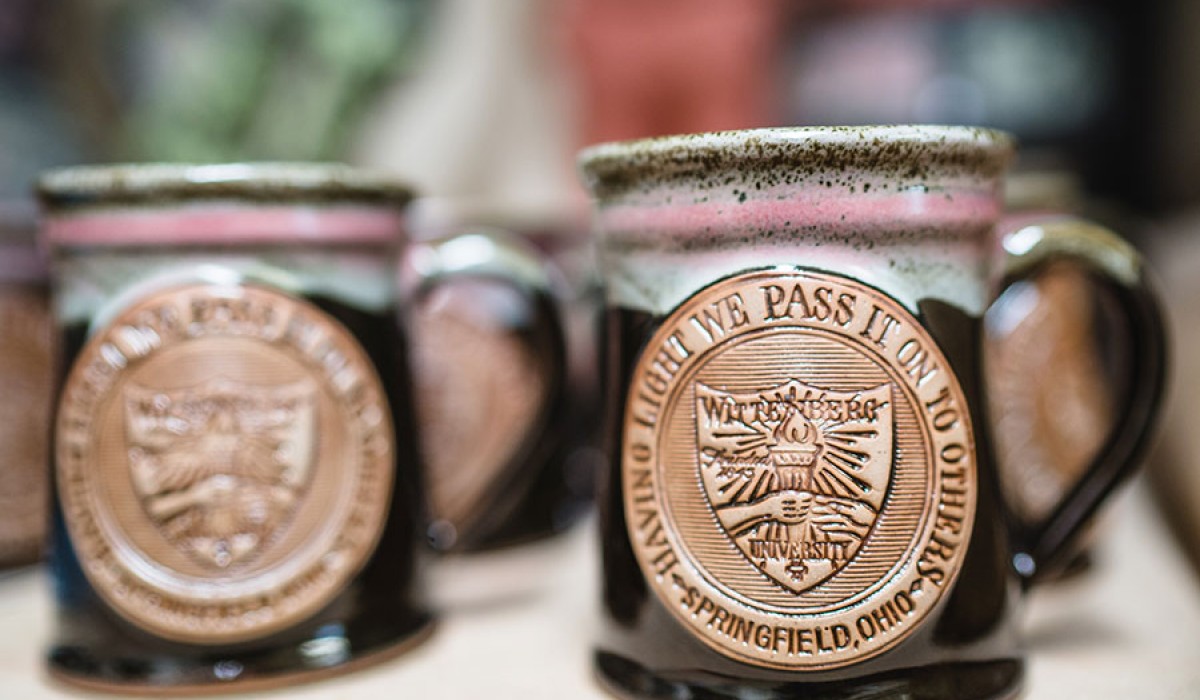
26, 359
803, 496
237, 492
489, 361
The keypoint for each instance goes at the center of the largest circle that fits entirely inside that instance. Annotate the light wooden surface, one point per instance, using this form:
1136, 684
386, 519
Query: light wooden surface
1130, 629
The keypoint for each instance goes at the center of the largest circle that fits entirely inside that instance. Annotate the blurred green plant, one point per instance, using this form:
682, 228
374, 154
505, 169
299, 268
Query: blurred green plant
209, 80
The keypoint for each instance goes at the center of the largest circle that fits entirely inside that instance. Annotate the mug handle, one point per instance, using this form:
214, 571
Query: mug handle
497, 255
1044, 547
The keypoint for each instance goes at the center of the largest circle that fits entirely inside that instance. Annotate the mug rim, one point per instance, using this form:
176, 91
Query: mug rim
268, 203
904, 149
252, 182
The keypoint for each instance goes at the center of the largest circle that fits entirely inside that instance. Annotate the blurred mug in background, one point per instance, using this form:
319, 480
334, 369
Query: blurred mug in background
502, 312
26, 362
238, 489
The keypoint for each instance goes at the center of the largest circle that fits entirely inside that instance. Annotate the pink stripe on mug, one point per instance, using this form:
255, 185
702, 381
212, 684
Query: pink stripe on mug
226, 224
930, 208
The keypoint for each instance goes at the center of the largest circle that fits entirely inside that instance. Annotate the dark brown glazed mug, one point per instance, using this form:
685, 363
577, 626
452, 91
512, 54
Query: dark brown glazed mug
237, 494
803, 498
490, 368
26, 373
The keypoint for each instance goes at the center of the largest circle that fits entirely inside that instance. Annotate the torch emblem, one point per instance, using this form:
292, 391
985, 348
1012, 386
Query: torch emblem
795, 474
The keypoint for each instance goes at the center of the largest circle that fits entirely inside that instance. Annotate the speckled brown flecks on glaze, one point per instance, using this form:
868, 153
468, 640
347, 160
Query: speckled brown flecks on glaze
166, 183
860, 239
904, 208
754, 160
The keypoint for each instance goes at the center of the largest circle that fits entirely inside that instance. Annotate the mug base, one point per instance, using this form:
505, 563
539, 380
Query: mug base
81, 668
976, 680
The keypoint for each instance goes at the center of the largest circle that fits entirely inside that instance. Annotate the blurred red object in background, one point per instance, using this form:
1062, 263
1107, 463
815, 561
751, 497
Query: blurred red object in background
674, 66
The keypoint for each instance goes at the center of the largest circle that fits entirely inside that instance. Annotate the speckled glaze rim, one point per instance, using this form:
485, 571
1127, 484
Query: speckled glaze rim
908, 150
155, 183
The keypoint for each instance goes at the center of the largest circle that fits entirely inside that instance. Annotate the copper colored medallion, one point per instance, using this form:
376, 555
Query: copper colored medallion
798, 468
225, 459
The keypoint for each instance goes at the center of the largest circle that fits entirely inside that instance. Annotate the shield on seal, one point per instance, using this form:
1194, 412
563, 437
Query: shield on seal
220, 466
796, 474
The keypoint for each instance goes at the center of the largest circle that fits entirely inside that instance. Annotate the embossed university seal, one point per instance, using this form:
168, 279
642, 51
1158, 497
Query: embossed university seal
225, 461
798, 469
